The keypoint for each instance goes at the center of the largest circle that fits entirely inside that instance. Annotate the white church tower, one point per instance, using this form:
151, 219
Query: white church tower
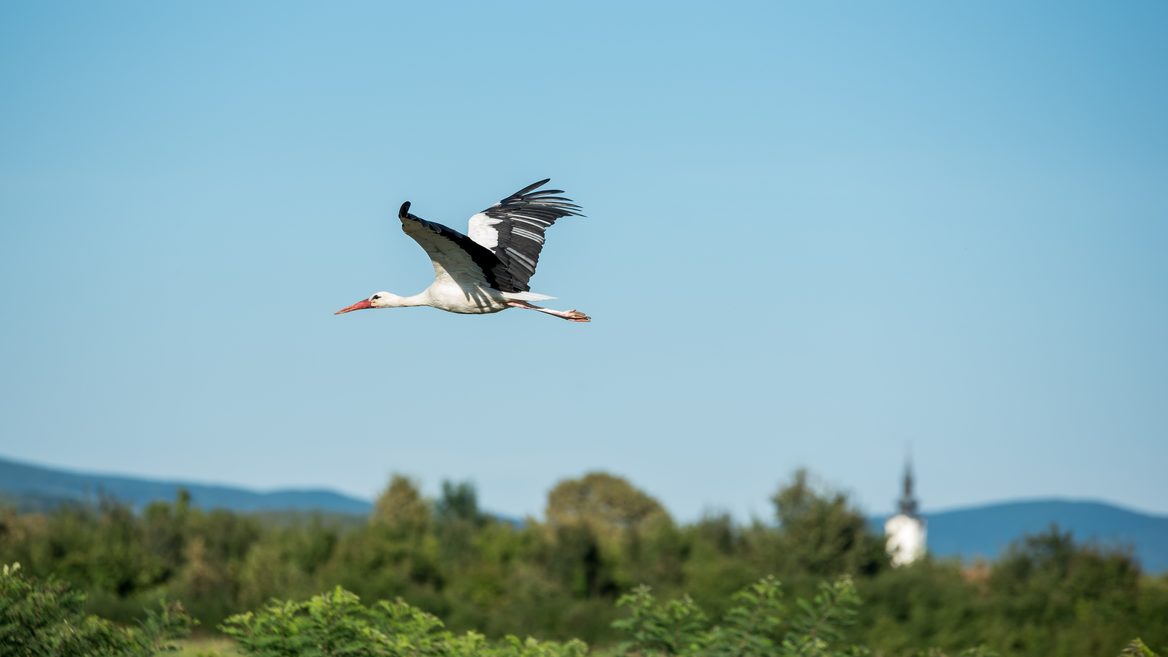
905, 531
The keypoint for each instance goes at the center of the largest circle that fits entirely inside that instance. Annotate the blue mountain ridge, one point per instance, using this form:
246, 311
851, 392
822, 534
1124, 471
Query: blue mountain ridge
38, 486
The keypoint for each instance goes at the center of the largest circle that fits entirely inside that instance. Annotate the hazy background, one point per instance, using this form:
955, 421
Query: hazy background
816, 235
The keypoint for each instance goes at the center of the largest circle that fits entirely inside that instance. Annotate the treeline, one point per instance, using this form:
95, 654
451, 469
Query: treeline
601, 537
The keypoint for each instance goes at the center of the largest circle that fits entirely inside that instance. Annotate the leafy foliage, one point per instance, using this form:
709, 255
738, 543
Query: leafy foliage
1137, 648
760, 624
675, 628
823, 534
336, 624
44, 619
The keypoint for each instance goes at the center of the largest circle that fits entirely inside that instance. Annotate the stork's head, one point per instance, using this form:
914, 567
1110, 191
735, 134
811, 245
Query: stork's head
375, 300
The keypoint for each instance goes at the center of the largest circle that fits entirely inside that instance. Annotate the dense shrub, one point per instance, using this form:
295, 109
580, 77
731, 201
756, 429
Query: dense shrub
336, 624
45, 619
760, 624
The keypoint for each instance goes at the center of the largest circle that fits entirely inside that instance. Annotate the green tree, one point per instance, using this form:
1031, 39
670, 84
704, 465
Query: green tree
402, 508
165, 528
822, 534
395, 554
607, 503
269, 572
1054, 597
459, 503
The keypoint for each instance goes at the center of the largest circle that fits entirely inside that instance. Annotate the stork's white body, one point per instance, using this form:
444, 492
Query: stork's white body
445, 294
487, 271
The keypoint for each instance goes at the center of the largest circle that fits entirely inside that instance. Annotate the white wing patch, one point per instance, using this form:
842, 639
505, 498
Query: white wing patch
482, 230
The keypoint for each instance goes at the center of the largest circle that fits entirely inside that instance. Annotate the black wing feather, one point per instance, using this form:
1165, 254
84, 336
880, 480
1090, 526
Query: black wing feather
520, 221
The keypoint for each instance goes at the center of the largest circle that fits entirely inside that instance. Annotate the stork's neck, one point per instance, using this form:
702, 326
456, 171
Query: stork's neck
420, 299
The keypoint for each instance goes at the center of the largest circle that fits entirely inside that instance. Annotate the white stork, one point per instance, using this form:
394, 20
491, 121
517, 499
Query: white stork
489, 270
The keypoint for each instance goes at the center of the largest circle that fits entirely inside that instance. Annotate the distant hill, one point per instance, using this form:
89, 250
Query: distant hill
986, 531
35, 487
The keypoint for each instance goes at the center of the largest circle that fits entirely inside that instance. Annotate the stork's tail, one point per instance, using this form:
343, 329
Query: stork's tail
525, 296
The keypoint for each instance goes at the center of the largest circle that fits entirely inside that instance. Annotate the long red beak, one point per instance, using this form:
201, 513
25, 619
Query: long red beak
360, 305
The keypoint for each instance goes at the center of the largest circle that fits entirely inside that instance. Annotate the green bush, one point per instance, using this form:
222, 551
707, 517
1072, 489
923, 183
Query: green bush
1137, 648
45, 619
336, 624
760, 623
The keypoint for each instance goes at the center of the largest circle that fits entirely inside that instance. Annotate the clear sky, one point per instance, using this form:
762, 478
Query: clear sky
817, 234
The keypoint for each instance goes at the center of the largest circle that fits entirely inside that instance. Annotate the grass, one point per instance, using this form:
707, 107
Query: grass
206, 647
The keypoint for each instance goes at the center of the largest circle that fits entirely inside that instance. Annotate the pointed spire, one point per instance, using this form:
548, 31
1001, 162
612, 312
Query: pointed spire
908, 502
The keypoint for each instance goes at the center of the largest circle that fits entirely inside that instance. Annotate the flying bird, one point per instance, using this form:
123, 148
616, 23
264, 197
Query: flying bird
487, 271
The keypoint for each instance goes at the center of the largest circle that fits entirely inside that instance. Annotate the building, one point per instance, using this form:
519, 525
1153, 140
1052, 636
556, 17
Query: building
905, 531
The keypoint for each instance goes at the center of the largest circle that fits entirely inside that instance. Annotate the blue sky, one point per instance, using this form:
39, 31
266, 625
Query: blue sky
817, 233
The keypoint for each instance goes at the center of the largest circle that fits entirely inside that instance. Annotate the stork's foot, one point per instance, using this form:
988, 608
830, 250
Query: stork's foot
576, 316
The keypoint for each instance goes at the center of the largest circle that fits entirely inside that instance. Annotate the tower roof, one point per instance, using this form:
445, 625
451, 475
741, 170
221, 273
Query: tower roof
908, 502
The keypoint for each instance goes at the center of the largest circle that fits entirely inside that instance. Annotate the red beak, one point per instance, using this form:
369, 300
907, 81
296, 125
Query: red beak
360, 305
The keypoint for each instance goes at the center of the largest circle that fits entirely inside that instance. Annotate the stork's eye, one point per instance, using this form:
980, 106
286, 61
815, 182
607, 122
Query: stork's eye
376, 297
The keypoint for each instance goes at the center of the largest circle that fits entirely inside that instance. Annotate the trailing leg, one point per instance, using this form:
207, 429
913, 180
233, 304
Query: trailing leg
570, 315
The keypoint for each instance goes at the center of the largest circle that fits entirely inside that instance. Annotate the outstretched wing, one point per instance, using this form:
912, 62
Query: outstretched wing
513, 229
454, 255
